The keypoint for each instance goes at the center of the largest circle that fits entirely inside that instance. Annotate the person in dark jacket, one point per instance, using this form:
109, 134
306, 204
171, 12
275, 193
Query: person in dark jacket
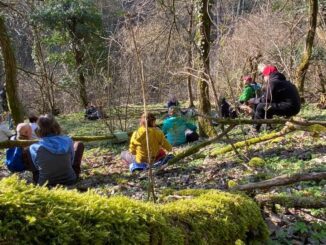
55, 156
172, 101
281, 97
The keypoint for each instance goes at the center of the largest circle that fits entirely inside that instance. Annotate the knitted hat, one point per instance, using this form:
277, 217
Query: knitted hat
269, 70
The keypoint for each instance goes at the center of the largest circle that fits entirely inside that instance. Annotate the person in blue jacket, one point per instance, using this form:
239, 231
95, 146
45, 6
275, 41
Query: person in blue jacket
177, 130
55, 156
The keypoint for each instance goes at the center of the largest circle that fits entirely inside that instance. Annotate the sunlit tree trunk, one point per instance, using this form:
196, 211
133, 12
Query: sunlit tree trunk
305, 59
190, 55
204, 107
11, 74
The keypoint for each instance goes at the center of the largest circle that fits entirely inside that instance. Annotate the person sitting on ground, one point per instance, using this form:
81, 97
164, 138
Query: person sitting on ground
172, 101
280, 98
55, 156
5, 132
91, 113
248, 91
137, 156
17, 157
177, 130
32, 122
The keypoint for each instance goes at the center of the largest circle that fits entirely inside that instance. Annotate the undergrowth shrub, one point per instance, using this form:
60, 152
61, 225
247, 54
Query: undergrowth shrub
34, 214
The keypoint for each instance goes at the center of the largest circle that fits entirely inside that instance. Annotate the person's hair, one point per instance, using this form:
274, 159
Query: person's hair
47, 125
150, 120
24, 131
32, 118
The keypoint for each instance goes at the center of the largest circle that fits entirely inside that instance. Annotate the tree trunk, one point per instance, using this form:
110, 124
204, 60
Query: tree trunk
322, 80
205, 127
11, 75
305, 59
79, 58
190, 55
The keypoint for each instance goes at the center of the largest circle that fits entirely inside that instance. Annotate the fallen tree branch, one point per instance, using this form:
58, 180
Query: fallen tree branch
282, 180
291, 201
196, 148
237, 121
25, 143
249, 142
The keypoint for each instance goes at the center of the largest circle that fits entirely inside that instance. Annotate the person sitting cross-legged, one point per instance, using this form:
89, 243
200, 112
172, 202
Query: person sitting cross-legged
55, 156
137, 156
177, 130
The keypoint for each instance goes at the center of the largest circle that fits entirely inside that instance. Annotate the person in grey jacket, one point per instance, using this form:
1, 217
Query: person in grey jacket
55, 156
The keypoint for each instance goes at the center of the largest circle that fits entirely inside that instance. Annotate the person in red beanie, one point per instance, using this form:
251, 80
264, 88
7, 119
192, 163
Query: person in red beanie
280, 98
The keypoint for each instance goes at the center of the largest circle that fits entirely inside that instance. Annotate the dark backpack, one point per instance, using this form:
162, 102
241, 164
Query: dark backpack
14, 159
257, 88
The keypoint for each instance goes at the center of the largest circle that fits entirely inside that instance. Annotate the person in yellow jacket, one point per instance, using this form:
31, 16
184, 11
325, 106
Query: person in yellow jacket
137, 156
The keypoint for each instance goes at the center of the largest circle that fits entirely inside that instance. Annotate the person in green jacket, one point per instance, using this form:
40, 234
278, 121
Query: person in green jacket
248, 90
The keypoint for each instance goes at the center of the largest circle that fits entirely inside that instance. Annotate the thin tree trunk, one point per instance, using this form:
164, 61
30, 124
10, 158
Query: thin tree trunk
322, 80
305, 59
11, 74
190, 55
205, 127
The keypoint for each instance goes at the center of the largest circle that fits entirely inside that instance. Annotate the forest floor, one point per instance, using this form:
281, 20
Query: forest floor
104, 172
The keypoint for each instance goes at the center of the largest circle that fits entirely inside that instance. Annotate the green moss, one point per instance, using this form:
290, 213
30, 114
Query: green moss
245, 143
32, 214
256, 162
232, 183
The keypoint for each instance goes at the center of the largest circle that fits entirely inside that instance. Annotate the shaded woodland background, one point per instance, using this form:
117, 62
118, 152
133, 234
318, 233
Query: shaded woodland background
66, 60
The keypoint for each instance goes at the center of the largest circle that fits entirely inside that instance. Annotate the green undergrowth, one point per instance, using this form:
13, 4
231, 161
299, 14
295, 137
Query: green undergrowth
75, 124
34, 214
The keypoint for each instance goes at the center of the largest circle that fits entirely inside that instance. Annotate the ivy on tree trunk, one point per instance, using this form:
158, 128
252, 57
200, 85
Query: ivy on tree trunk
205, 127
11, 74
305, 59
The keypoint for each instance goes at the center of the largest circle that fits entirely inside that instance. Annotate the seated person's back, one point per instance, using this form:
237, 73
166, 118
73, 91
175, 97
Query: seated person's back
138, 145
175, 127
53, 154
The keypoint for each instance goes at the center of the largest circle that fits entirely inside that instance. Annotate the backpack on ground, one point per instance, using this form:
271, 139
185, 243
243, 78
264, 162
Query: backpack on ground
14, 159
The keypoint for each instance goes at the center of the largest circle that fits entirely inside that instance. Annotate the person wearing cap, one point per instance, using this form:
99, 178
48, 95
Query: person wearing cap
248, 91
281, 97
177, 130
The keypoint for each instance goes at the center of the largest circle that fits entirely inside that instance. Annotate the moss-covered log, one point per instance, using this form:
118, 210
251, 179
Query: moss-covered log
248, 142
11, 74
286, 179
33, 214
24, 143
291, 201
